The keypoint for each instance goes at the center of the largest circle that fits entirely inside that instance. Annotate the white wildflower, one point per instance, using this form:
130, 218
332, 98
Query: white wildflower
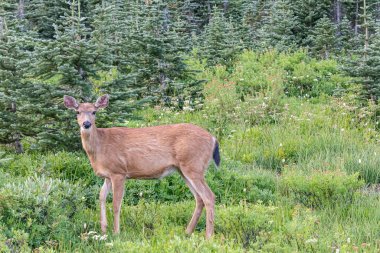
311, 240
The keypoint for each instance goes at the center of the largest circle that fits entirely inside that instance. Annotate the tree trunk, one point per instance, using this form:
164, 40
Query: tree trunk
225, 6
338, 11
20, 10
356, 18
366, 43
17, 142
18, 145
1, 28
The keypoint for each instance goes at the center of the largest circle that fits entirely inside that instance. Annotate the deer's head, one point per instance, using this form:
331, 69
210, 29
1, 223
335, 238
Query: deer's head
86, 111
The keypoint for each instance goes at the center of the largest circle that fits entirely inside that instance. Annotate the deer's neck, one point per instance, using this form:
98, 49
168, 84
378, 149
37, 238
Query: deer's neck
90, 142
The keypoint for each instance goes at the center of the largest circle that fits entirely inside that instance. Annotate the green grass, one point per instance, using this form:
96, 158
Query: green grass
300, 173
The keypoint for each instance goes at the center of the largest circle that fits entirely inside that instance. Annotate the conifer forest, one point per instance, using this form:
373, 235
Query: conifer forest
290, 89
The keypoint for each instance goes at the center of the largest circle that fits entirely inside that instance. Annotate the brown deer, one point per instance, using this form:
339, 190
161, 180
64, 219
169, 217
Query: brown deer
120, 153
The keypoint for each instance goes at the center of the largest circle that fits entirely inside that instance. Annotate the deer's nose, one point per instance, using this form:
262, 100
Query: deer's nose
87, 124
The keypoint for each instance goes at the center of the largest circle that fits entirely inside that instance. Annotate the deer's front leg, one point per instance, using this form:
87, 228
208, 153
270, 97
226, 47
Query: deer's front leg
118, 192
102, 198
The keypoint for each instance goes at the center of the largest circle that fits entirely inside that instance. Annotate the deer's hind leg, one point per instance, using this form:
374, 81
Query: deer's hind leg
197, 181
198, 207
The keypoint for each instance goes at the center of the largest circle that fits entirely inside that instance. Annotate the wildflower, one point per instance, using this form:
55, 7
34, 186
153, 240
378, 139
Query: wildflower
244, 190
360, 161
141, 194
84, 225
109, 244
311, 240
349, 239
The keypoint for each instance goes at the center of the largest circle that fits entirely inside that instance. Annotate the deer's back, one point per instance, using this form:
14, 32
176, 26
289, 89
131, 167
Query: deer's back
151, 152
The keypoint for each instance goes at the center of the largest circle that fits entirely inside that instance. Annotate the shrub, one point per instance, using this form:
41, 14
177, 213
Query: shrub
259, 73
229, 187
43, 208
320, 188
73, 166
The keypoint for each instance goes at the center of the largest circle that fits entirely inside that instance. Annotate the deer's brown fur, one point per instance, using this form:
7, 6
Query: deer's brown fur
121, 153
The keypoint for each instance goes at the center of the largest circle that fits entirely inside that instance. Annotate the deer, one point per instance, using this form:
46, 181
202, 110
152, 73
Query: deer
120, 153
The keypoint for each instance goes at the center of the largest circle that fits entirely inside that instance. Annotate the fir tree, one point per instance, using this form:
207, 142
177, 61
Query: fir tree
281, 28
364, 64
15, 58
65, 65
153, 53
11, 81
322, 38
221, 42
345, 35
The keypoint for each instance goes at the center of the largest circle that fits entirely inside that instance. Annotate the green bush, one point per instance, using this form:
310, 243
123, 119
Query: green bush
229, 186
64, 165
296, 74
44, 209
258, 73
319, 189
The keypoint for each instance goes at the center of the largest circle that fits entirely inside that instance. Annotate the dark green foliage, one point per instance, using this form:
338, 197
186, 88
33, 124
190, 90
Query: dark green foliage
365, 66
75, 168
13, 63
322, 39
221, 41
71, 59
228, 186
308, 14
321, 189
346, 36
135, 51
43, 208
280, 27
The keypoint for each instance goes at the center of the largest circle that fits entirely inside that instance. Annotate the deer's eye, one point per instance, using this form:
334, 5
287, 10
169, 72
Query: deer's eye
94, 112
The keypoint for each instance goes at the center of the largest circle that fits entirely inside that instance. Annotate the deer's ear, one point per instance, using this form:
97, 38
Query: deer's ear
70, 102
102, 102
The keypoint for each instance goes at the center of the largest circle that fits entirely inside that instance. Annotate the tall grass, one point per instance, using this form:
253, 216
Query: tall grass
300, 168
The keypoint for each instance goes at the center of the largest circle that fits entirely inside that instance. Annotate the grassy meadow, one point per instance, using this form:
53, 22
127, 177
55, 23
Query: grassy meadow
300, 172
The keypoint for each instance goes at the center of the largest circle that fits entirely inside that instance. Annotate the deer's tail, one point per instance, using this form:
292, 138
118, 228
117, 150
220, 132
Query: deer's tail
216, 154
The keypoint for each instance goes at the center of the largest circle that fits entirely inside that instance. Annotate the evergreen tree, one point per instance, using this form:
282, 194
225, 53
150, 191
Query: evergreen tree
15, 55
71, 58
65, 65
345, 35
254, 14
364, 64
322, 38
308, 13
153, 55
221, 42
11, 82
281, 28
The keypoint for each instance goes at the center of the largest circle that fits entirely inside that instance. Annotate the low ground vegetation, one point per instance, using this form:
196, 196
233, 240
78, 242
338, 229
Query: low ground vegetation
300, 172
